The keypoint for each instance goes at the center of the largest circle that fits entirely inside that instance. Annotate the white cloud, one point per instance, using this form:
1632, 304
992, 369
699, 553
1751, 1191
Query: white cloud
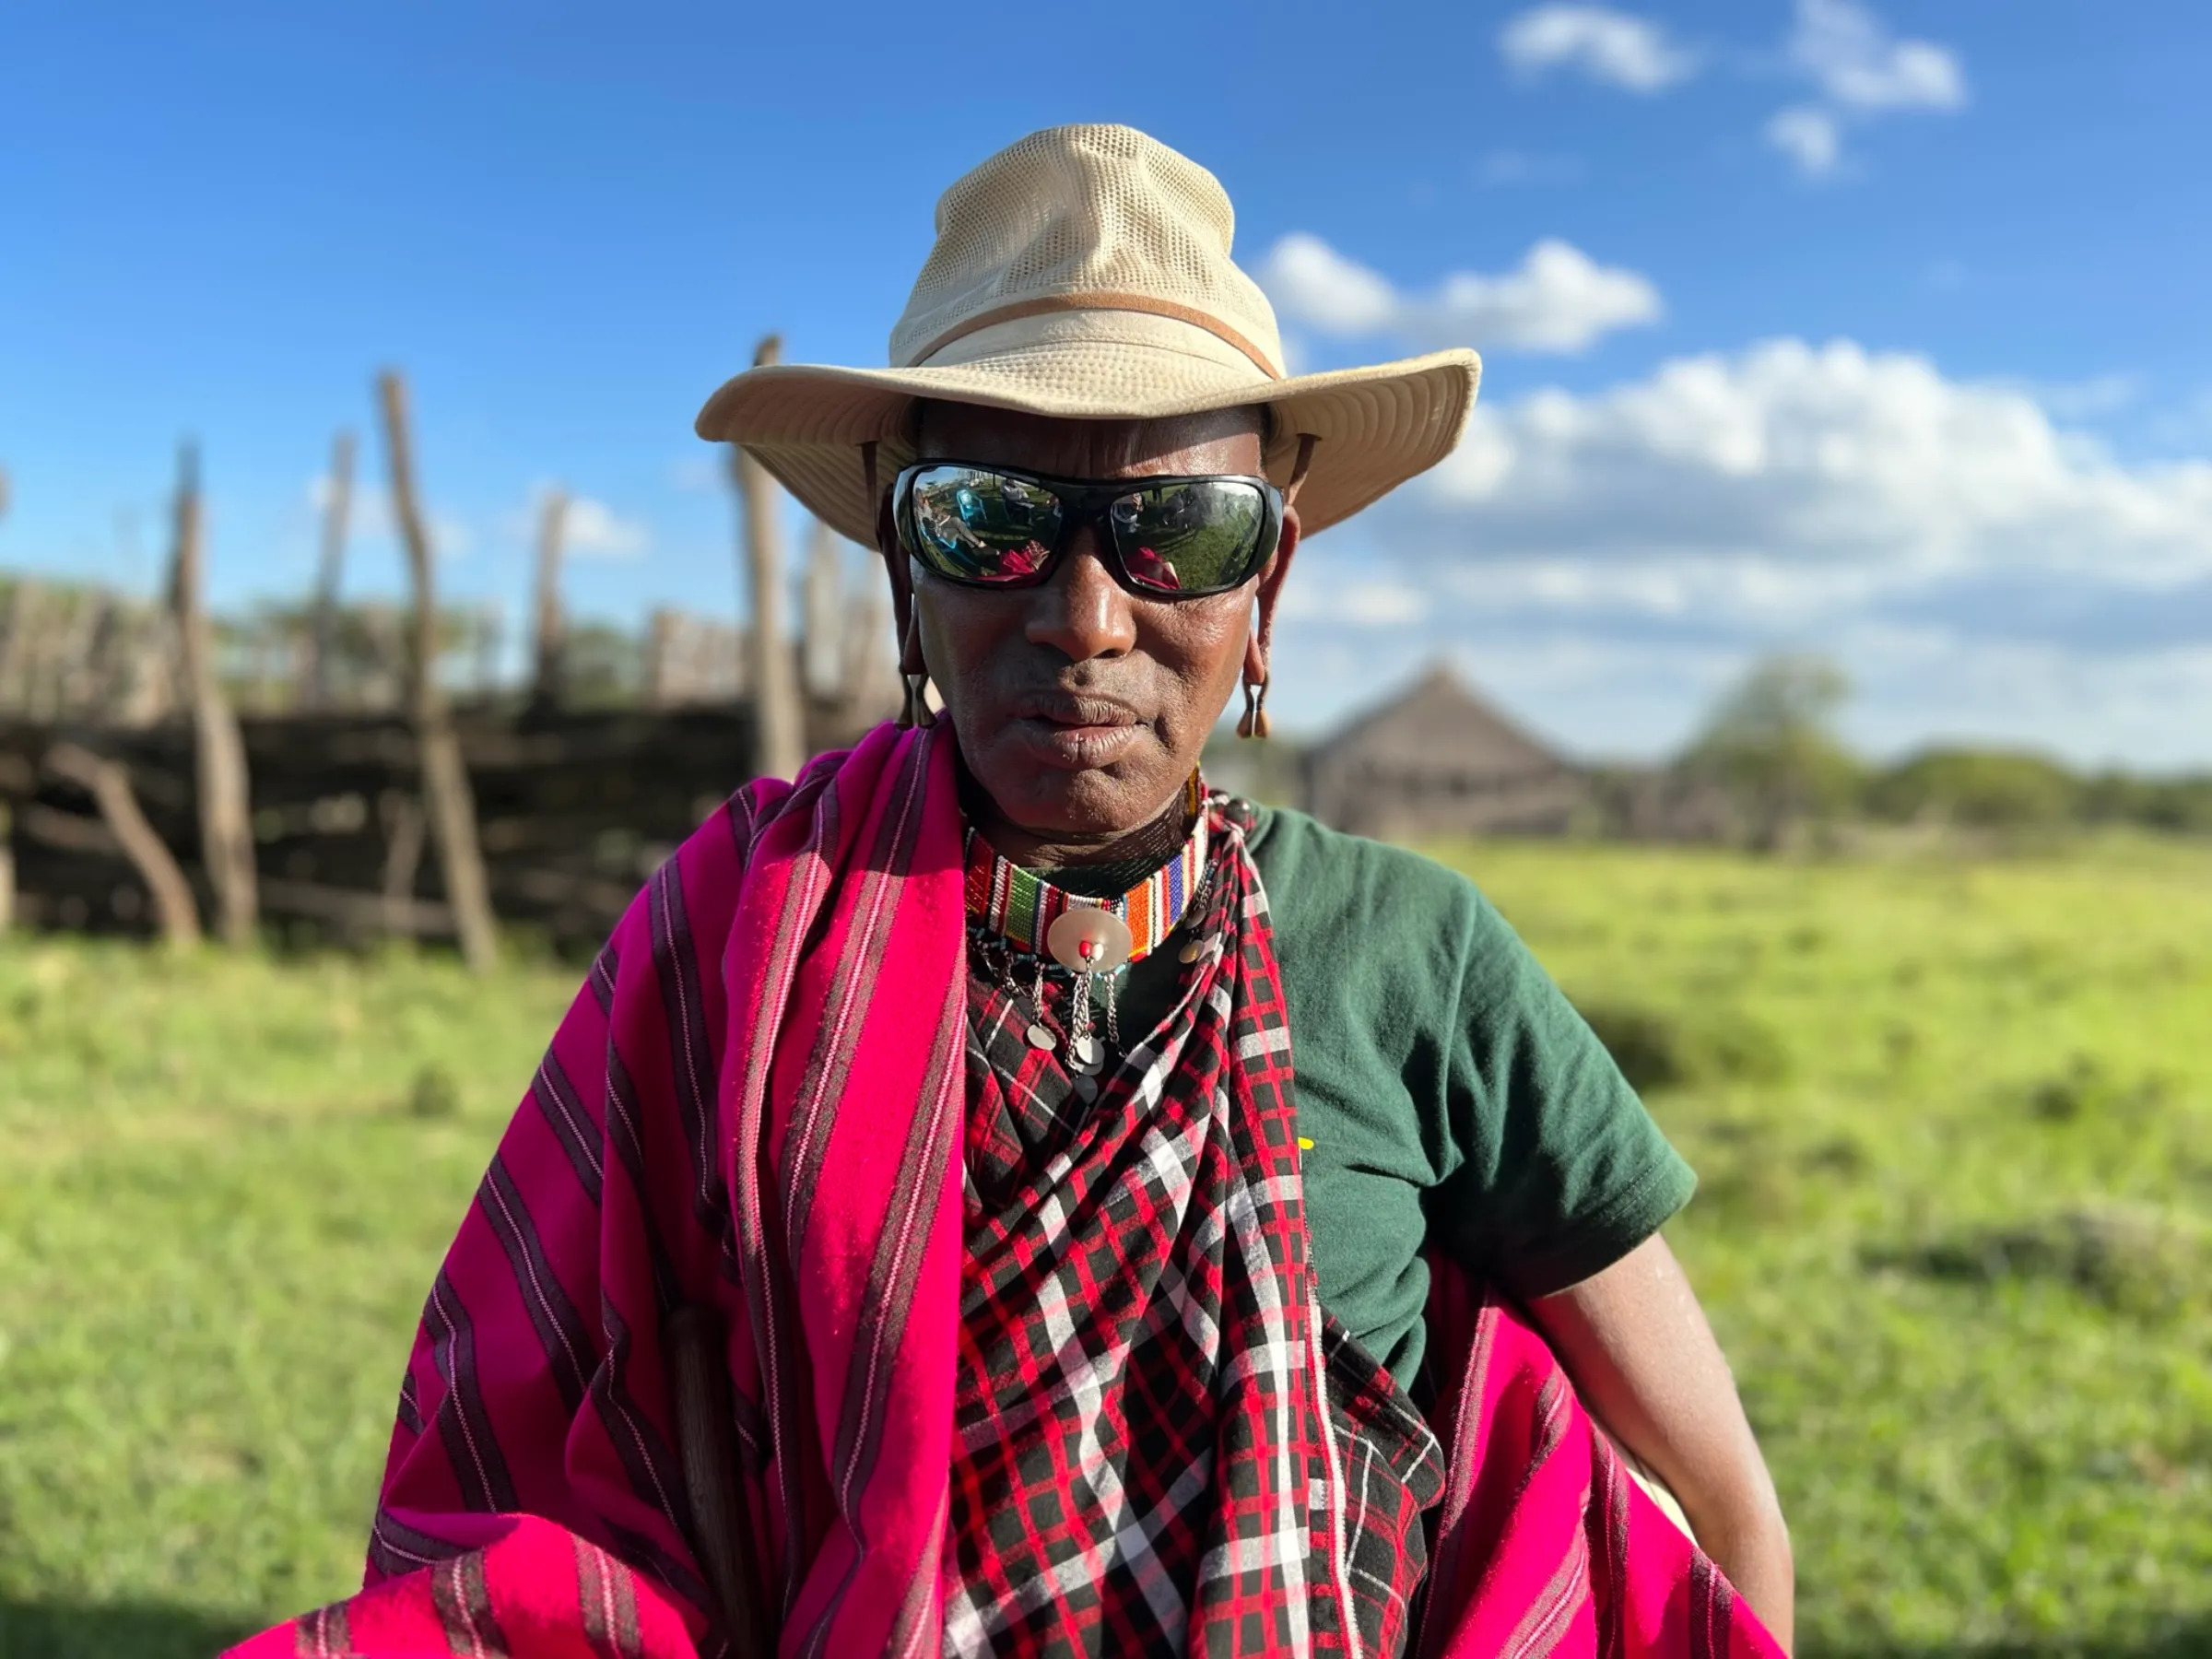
1860, 71
589, 529
1607, 45
1806, 459
368, 517
1559, 300
1605, 561
1312, 282
1809, 136
1364, 600
700, 471
1853, 60
2085, 399
592, 530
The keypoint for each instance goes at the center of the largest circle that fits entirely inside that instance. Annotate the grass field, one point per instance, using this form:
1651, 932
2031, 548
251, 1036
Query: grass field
1953, 1123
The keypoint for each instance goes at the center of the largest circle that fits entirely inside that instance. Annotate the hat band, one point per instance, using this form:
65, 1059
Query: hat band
1044, 303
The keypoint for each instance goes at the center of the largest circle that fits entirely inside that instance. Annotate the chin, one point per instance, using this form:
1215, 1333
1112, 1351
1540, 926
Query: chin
1100, 801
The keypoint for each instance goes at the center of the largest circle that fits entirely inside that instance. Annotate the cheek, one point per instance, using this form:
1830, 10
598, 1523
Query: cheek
1201, 643
960, 632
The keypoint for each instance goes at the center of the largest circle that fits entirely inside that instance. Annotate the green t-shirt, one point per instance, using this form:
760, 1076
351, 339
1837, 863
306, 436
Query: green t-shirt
1447, 1085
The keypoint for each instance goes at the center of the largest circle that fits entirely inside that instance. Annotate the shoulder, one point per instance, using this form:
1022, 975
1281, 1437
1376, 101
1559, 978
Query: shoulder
1322, 880
1401, 918
1368, 931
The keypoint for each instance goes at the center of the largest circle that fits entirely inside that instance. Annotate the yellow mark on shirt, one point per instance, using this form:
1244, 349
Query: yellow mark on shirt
1304, 1144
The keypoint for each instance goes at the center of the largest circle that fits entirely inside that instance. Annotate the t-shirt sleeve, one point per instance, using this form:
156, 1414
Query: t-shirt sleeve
1562, 1171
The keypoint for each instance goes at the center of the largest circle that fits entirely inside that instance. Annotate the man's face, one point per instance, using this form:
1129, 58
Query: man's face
1081, 707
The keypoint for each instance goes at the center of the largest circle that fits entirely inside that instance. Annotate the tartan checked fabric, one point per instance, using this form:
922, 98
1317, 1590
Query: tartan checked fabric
1141, 1463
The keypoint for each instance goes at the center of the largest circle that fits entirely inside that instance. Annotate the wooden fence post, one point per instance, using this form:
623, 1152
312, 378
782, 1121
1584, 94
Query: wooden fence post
548, 673
453, 813
109, 784
822, 650
781, 748
322, 645
402, 816
659, 658
491, 636
219, 754
18, 619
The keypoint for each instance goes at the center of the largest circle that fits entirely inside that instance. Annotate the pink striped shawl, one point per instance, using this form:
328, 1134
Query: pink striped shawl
756, 1101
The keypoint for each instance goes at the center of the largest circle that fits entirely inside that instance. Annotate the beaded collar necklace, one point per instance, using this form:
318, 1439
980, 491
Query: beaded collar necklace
1092, 938
1086, 934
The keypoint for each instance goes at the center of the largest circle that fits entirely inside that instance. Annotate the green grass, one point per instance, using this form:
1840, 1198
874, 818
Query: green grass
1954, 1129
219, 1215
1953, 1121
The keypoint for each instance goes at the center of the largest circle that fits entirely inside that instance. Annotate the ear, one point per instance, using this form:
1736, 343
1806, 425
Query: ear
900, 574
1257, 642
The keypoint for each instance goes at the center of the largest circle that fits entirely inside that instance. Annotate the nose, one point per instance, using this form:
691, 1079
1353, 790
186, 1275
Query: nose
1082, 610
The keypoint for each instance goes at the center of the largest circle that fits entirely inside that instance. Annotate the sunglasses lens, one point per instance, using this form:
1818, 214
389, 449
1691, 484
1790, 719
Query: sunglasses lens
976, 525
1196, 537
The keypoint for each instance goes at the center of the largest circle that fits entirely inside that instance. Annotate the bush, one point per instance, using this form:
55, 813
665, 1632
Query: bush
2130, 1262
1984, 789
434, 1092
1658, 1050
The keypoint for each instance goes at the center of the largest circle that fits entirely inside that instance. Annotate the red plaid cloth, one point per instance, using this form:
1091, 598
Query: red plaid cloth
1141, 1465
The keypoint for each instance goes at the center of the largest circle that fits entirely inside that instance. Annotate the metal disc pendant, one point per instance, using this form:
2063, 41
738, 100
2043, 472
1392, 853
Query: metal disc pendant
1191, 952
1086, 939
1086, 1088
1083, 1053
1039, 1037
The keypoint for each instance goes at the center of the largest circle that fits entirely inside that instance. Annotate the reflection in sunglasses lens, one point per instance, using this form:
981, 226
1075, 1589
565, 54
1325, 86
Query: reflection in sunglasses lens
1190, 537
977, 525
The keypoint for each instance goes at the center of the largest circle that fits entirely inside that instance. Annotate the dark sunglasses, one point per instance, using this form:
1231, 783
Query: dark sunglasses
1163, 538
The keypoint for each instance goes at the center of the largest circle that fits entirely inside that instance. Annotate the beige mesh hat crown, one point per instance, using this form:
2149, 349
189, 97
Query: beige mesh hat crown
1085, 272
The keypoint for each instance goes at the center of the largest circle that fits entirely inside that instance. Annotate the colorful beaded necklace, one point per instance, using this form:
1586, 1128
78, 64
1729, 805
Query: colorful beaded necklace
1022, 906
1092, 938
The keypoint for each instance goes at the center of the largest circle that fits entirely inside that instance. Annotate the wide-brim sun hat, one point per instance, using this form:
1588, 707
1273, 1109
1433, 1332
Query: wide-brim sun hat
1084, 272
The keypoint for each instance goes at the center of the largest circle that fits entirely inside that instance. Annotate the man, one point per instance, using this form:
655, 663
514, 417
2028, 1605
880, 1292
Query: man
1111, 1203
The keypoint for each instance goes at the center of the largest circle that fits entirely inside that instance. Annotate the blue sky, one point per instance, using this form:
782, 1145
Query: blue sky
1878, 330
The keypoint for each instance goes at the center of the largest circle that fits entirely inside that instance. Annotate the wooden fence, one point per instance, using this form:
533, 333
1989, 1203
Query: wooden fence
134, 797
573, 811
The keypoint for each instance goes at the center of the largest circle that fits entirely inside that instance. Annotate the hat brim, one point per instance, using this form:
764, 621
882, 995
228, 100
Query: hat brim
1375, 427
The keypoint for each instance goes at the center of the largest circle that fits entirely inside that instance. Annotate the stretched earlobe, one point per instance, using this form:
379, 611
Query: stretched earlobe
1253, 723
915, 673
912, 671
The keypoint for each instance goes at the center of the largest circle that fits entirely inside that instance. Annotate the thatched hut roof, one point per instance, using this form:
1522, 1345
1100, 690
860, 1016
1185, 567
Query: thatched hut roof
1441, 724
1438, 758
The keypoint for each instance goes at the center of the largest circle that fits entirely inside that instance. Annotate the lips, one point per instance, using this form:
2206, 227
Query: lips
1077, 730
1080, 711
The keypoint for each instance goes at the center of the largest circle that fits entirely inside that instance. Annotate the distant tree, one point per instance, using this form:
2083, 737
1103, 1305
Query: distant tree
2181, 804
368, 647
1770, 742
1984, 789
602, 665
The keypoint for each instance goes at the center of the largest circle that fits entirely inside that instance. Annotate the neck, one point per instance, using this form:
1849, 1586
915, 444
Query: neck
1157, 840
